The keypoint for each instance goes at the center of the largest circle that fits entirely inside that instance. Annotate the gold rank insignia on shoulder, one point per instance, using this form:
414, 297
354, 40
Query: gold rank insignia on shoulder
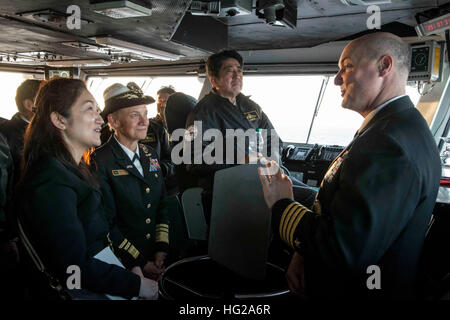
252, 115
120, 172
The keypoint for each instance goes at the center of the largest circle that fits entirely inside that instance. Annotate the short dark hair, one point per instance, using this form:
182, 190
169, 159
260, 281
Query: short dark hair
214, 62
27, 90
166, 89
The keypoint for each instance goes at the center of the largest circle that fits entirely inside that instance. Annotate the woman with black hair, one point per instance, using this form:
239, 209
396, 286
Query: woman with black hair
63, 214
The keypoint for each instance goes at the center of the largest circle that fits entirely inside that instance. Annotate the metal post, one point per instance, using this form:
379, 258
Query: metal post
318, 103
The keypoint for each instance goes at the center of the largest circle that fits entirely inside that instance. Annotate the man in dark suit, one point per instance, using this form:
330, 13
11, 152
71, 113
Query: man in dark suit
131, 178
365, 234
14, 129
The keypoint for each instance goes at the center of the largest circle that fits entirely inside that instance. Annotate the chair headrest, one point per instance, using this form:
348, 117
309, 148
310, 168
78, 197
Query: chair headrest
178, 107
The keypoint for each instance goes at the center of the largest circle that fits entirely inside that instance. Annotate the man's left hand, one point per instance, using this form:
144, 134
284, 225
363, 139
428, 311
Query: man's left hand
276, 185
295, 275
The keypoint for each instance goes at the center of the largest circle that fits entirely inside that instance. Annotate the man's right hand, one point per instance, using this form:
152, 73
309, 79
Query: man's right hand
149, 289
275, 185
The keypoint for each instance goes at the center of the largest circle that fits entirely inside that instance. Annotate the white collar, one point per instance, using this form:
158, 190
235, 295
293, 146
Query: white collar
129, 153
376, 110
23, 118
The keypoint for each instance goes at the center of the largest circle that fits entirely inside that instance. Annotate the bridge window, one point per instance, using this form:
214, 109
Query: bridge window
150, 85
9, 81
290, 101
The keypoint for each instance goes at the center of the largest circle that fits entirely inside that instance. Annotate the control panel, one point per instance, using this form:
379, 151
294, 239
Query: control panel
310, 161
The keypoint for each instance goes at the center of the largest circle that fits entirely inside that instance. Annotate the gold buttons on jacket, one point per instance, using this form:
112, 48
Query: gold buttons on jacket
147, 221
147, 236
149, 205
147, 190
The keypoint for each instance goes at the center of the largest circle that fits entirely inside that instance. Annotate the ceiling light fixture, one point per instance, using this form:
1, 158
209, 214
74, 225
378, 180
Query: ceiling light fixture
120, 9
79, 63
136, 48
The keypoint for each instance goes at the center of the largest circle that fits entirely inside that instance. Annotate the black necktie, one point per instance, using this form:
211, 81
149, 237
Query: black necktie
136, 157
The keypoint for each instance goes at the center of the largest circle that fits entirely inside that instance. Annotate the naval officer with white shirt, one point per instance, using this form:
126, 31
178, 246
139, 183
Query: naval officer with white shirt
131, 179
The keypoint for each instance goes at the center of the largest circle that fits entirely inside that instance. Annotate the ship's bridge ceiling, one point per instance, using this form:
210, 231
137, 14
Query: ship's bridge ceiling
94, 33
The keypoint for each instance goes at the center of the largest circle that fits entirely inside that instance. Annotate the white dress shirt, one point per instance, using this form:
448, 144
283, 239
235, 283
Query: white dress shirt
131, 154
375, 111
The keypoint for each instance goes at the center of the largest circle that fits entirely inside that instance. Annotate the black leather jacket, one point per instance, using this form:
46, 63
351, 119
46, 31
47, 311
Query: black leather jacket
217, 112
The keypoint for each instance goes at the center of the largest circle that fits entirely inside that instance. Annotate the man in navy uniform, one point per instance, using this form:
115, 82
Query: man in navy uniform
365, 234
131, 178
